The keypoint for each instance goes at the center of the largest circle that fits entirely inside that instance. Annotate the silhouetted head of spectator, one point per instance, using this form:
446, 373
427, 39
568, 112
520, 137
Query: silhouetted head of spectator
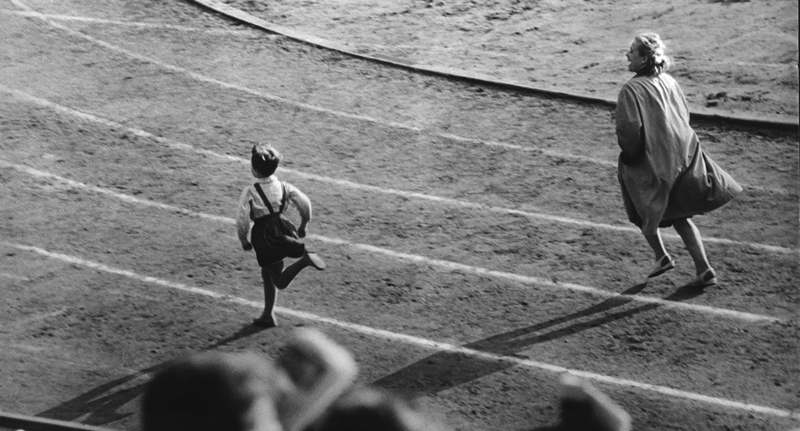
212, 392
586, 408
264, 160
371, 409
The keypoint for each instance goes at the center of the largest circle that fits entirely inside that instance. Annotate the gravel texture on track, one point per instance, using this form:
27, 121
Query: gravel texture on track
447, 212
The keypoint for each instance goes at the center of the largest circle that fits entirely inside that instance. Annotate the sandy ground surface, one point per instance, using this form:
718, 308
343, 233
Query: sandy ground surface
728, 55
448, 213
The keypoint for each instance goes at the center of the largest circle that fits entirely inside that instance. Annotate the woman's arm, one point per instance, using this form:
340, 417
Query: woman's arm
630, 129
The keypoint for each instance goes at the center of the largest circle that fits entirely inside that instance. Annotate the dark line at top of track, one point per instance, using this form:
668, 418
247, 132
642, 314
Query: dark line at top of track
705, 115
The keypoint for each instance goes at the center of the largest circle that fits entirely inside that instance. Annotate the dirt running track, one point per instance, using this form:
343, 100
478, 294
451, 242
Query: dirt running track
475, 237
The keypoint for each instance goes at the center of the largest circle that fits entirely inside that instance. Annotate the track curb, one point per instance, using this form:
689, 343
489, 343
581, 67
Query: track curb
217, 6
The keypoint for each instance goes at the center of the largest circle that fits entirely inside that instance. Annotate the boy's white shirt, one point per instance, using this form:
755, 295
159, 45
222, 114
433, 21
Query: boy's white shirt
273, 190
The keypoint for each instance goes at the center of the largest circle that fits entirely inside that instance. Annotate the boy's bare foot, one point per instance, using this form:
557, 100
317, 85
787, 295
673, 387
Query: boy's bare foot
265, 322
315, 261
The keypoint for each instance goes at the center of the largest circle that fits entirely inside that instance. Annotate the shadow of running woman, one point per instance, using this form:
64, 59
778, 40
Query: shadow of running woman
449, 369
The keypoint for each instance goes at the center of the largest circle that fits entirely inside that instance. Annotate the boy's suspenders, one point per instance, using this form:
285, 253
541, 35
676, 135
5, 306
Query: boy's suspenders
266, 201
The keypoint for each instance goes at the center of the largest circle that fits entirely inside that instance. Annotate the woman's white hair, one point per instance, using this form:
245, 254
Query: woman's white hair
652, 48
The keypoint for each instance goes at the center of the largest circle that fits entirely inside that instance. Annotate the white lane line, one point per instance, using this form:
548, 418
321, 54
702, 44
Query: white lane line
30, 14
373, 189
417, 341
451, 266
314, 108
186, 147
12, 276
29, 320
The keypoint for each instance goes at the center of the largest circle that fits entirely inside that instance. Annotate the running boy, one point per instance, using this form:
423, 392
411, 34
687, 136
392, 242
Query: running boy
273, 237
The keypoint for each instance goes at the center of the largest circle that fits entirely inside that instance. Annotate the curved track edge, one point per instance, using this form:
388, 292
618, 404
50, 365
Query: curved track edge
765, 121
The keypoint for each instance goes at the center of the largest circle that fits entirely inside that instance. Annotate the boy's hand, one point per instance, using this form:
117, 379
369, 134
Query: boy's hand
246, 246
301, 232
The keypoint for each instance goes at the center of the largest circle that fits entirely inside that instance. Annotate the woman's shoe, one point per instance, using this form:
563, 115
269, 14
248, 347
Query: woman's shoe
705, 279
661, 265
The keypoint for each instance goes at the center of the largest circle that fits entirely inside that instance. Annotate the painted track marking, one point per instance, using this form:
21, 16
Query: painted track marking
447, 265
417, 341
30, 14
374, 189
14, 277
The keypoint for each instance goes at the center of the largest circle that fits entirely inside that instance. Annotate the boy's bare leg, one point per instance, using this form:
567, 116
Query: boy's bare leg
276, 278
288, 275
268, 274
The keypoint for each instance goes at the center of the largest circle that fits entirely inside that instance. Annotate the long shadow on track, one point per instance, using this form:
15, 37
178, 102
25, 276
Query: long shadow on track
101, 403
435, 373
446, 370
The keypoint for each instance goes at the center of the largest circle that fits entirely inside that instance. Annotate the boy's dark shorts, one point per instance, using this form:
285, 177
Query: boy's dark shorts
275, 238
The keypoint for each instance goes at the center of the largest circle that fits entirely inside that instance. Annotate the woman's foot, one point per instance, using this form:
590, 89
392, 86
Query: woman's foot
706, 278
661, 265
314, 260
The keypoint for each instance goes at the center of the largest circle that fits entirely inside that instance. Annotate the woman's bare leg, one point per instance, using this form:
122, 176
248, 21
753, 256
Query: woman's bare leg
657, 244
694, 244
663, 261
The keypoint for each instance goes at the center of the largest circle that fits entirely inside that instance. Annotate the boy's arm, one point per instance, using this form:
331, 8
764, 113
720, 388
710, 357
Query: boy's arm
303, 205
243, 219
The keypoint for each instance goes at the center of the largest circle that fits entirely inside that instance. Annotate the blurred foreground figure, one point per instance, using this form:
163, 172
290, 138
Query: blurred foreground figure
216, 391
585, 408
213, 392
374, 409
